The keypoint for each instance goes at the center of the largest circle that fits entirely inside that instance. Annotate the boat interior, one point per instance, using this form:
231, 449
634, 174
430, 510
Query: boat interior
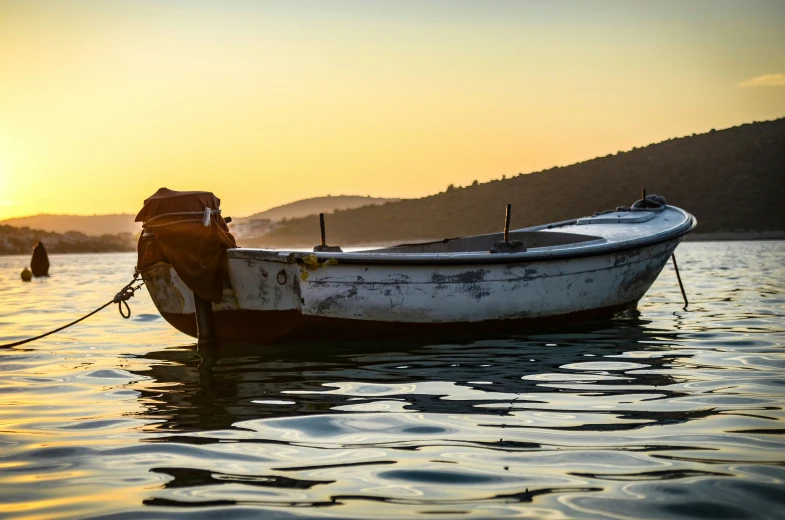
528, 240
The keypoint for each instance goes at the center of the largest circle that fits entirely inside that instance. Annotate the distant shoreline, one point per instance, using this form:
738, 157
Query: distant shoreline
693, 237
734, 236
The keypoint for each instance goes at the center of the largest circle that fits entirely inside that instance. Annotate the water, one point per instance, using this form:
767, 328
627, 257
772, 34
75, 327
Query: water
673, 414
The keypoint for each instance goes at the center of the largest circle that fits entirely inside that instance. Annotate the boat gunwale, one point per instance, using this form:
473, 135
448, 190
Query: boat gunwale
588, 249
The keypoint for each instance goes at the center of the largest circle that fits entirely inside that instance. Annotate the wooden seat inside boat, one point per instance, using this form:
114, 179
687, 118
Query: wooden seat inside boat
530, 239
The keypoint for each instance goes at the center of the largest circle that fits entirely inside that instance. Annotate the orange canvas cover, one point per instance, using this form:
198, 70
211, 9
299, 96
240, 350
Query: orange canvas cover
197, 253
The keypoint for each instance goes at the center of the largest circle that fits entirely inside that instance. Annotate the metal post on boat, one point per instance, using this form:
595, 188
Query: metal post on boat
324, 248
205, 322
507, 223
505, 246
321, 227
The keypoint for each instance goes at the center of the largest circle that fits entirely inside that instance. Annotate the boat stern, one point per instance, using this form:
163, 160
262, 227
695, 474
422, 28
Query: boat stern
255, 305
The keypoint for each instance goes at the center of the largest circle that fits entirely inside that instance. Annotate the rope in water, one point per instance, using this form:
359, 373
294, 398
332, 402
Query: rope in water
121, 299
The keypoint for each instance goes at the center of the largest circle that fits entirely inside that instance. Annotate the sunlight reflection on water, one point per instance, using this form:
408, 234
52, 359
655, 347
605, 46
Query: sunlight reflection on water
675, 414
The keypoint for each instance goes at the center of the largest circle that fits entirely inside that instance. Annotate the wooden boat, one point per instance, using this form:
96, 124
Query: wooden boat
583, 269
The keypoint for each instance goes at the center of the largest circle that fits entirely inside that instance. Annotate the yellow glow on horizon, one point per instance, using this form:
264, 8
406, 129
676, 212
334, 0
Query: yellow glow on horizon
5, 184
102, 103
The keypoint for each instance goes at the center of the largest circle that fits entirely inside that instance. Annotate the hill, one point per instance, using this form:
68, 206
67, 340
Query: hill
250, 228
92, 225
732, 180
98, 225
316, 205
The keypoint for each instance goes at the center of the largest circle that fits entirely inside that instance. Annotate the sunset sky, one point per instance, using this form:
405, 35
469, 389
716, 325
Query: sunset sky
263, 103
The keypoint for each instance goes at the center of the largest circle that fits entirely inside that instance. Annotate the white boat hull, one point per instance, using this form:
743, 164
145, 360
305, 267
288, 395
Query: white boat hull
271, 296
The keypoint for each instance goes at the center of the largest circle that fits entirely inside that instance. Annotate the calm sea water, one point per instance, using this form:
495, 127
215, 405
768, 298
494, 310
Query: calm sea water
670, 414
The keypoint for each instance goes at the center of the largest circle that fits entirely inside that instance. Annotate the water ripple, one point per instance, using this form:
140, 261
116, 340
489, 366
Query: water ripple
665, 414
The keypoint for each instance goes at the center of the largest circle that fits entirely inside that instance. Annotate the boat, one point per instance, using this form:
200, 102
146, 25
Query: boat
514, 281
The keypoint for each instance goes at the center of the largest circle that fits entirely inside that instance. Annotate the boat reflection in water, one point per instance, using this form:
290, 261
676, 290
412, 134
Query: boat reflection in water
443, 427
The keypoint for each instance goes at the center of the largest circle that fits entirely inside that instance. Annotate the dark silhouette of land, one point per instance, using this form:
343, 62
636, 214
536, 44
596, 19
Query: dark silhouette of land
20, 241
316, 205
99, 225
248, 229
92, 225
117, 233
732, 180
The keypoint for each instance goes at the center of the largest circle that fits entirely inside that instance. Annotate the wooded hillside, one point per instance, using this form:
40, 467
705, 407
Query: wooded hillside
732, 180
316, 205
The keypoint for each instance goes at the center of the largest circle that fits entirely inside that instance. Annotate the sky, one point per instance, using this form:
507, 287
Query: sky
263, 103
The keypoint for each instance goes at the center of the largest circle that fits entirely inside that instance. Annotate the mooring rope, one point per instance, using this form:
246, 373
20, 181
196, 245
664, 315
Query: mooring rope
678, 277
121, 299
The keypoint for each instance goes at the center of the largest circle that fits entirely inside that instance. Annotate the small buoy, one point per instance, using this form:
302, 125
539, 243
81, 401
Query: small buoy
40, 261
26, 275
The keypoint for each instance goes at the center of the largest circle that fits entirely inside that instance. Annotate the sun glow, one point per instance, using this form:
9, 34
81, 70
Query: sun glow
102, 103
5, 178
